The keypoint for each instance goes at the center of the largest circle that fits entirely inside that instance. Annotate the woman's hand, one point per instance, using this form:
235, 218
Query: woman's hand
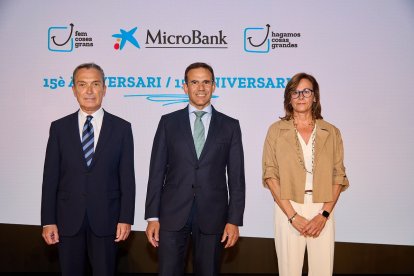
300, 223
315, 226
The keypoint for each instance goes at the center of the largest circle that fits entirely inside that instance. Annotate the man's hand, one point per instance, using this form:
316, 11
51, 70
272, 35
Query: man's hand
50, 234
231, 233
122, 231
153, 232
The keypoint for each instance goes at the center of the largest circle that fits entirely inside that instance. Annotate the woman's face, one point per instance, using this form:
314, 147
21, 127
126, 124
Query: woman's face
303, 103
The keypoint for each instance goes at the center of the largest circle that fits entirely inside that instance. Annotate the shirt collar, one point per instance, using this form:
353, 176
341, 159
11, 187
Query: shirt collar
208, 109
97, 115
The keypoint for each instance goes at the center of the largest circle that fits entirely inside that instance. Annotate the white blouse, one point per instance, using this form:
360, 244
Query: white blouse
307, 156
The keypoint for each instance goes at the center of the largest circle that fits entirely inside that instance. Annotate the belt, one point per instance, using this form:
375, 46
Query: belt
308, 192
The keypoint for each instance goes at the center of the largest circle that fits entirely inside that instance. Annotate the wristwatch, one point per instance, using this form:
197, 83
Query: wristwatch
324, 213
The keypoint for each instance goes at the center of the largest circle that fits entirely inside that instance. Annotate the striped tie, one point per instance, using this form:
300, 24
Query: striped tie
87, 140
199, 134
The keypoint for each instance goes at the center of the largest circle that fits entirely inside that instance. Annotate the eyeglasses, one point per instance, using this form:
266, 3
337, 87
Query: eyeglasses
305, 93
205, 83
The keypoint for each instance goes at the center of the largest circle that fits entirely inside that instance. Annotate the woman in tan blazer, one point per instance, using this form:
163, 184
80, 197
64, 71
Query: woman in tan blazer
303, 169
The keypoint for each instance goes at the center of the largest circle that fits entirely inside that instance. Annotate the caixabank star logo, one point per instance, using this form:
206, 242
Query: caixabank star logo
125, 36
262, 40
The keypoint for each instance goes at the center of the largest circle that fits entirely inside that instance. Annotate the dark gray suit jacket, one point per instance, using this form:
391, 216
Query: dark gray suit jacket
215, 181
105, 191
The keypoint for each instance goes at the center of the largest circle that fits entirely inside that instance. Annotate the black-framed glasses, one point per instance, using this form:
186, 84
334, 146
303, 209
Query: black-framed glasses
305, 93
205, 83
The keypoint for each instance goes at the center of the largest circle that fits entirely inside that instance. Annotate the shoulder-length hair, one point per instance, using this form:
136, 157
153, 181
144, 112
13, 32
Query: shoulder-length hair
291, 86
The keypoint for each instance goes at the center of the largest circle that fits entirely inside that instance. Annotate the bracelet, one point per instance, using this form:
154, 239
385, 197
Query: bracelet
292, 218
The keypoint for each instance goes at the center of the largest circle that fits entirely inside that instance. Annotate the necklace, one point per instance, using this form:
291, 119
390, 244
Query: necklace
298, 148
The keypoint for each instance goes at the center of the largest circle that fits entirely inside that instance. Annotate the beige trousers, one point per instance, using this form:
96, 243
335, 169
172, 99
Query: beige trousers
290, 245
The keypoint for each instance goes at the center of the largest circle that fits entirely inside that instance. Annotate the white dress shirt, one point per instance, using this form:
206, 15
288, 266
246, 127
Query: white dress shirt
96, 123
205, 119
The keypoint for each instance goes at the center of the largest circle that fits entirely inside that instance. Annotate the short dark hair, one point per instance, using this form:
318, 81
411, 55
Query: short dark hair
89, 66
198, 65
291, 86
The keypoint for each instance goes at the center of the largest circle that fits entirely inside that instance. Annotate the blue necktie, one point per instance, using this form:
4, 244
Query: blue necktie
87, 140
199, 135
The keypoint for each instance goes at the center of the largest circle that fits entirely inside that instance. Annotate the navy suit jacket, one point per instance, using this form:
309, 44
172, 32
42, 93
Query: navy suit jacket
105, 191
215, 181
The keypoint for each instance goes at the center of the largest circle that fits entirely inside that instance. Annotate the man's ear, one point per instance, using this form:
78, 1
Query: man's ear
74, 90
185, 88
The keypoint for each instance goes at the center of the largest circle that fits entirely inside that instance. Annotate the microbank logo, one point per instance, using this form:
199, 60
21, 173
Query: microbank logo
66, 39
161, 38
261, 40
192, 39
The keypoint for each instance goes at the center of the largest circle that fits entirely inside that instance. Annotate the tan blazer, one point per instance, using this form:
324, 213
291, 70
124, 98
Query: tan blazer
281, 161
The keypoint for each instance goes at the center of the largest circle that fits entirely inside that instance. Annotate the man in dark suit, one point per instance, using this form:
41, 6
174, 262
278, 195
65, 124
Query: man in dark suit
188, 192
88, 194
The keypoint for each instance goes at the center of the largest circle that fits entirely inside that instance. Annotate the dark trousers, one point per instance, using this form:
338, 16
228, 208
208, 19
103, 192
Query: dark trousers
74, 251
173, 245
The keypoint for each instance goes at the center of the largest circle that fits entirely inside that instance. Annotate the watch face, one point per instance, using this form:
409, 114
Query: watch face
325, 214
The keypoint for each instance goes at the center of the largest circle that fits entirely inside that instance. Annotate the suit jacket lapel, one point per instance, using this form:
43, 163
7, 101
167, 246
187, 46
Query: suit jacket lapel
74, 135
104, 134
185, 128
321, 137
214, 125
291, 139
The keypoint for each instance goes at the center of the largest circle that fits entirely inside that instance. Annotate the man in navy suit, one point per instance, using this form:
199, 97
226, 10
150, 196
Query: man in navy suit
195, 188
88, 193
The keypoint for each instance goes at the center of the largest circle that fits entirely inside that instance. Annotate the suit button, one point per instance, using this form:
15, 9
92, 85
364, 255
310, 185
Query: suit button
197, 167
192, 186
